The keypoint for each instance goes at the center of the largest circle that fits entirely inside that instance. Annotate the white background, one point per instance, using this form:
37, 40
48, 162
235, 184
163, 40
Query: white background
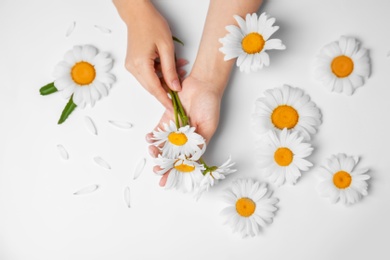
40, 219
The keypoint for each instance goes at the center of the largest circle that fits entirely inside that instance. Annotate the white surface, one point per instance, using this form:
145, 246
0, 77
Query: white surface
40, 218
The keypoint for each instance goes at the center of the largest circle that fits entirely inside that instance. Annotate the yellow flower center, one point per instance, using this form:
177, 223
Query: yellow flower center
184, 168
253, 43
283, 156
284, 116
177, 138
342, 179
83, 73
342, 66
245, 207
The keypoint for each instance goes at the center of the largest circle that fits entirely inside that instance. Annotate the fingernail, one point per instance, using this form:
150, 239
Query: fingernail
176, 85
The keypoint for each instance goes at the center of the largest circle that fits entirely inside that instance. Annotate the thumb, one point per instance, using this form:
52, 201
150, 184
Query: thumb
168, 67
206, 130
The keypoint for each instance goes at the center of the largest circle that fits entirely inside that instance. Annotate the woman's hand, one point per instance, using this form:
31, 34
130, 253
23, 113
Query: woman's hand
201, 101
149, 40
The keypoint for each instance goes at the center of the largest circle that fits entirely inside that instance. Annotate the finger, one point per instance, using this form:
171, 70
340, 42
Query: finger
168, 66
149, 138
154, 151
148, 78
181, 73
156, 169
164, 179
179, 63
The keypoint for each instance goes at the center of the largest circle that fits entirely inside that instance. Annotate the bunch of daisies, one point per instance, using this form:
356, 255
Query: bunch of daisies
181, 155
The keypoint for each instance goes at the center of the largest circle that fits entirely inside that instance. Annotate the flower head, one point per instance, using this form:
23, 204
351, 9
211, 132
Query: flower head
282, 157
342, 181
250, 40
185, 174
251, 206
286, 107
212, 176
179, 141
343, 66
84, 73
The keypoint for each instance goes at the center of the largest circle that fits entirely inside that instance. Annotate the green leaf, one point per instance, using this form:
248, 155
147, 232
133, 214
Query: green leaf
48, 89
67, 110
177, 40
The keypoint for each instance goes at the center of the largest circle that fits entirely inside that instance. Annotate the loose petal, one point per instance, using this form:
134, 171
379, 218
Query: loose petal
121, 124
102, 162
64, 154
139, 168
90, 125
70, 29
127, 196
87, 190
103, 29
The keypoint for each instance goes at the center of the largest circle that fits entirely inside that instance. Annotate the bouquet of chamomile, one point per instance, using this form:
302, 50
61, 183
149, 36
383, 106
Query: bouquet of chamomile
181, 155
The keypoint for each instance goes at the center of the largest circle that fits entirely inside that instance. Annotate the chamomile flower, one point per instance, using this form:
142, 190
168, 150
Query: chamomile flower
178, 141
250, 40
342, 181
213, 175
84, 73
185, 174
282, 157
343, 66
286, 107
251, 207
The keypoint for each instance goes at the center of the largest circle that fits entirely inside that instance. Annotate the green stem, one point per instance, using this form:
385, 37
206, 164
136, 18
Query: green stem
182, 113
48, 89
67, 110
175, 108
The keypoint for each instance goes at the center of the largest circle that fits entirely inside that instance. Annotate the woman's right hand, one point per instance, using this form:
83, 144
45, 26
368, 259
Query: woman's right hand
149, 45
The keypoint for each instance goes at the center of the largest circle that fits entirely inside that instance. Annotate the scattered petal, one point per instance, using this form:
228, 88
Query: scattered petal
63, 152
90, 125
70, 29
103, 29
127, 196
121, 124
87, 190
139, 168
102, 162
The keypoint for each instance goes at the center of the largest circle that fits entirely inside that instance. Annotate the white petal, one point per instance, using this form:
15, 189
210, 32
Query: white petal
139, 168
90, 125
64, 154
87, 190
99, 160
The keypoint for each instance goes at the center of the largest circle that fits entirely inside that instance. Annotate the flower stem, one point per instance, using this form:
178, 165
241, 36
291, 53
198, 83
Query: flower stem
175, 108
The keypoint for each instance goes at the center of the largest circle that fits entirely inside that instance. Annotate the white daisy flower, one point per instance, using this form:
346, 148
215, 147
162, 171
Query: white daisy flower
213, 175
343, 66
179, 141
84, 73
282, 157
185, 174
286, 107
251, 207
250, 40
341, 180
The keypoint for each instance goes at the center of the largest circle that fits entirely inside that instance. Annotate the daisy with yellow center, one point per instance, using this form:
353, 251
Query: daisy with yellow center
176, 141
184, 174
286, 107
343, 66
249, 41
282, 157
212, 175
251, 207
342, 181
83, 76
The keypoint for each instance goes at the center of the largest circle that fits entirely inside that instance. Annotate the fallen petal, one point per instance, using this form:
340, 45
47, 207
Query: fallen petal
64, 154
127, 196
90, 125
102, 29
102, 162
121, 124
87, 190
70, 29
139, 168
